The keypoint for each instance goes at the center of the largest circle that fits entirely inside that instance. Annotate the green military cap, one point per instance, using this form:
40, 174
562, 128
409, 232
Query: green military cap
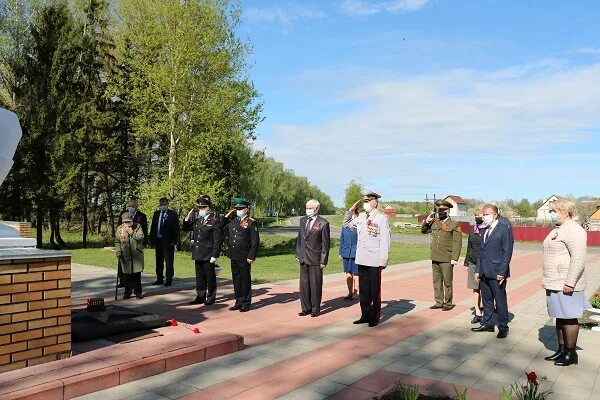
241, 203
443, 204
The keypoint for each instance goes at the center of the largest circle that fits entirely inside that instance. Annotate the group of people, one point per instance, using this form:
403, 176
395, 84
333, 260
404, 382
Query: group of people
364, 250
487, 262
207, 230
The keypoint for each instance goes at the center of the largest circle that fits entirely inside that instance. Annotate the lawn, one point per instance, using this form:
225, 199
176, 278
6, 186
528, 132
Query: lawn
275, 258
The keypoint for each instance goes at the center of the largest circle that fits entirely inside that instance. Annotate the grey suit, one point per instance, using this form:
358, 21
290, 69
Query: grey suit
312, 250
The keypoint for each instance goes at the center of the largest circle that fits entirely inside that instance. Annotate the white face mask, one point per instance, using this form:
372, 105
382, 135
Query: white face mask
240, 213
202, 213
367, 207
488, 219
310, 212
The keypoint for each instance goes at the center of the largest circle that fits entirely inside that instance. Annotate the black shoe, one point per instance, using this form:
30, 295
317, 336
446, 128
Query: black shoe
235, 307
568, 357
349, 297
245, 309
126, 296
502, 334
476, 319
360, 321
435, 307
209, 303
139, 296
447, 307
558, 354
158, 282
483, 328
197, 300
303, 313
373, 323
315, 314
168, 283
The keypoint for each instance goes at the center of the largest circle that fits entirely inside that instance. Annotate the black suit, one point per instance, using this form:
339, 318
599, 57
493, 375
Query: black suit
206, 237
165, 244
312, 250
494, 259
243, 246
139, 218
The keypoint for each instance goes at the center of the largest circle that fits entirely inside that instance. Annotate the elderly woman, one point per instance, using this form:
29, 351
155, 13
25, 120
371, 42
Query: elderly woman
129, 246
473, 247
348, 241
564, 279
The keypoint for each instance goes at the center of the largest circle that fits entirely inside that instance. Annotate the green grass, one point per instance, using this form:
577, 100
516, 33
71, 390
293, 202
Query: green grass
275, 257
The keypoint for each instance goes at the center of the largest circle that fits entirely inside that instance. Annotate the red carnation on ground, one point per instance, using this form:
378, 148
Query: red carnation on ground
532, 377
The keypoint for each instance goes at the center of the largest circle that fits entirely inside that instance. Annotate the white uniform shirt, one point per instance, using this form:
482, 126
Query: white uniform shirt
374, 236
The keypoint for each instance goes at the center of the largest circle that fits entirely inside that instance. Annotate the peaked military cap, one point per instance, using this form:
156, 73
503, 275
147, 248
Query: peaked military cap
369, 193
443, 204
241, 203
203, 201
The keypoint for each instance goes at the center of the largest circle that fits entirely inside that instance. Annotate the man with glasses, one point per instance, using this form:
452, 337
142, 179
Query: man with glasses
372, 253
312, 253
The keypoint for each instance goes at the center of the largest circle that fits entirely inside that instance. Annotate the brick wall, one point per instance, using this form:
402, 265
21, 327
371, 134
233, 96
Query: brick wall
35, 311
24, 228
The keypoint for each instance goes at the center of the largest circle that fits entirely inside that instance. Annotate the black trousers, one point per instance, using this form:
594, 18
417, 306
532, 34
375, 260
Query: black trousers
369, 287
242, 283
133, 282
206, 281
165, 254
311, 288
492, 290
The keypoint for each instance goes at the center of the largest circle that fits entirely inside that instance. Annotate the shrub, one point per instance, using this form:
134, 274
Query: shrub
528, 391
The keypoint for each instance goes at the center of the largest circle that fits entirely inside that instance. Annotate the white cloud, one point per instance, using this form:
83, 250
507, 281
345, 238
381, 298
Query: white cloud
586, 50
364, 8
283, 15
407, 132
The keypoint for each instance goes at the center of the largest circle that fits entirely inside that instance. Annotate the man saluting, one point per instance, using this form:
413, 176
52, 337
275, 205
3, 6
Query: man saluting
243, 246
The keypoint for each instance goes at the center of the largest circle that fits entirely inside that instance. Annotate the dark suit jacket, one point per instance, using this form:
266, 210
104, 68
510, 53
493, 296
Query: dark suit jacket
312, 247
243, 238
140, 219
206, 234
170, 228
495, 253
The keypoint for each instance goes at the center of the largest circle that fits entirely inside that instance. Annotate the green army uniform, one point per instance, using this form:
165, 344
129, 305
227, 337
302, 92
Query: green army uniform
446, 243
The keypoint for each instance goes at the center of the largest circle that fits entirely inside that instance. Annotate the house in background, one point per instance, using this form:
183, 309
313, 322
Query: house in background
543, 213
459, 205
390, 211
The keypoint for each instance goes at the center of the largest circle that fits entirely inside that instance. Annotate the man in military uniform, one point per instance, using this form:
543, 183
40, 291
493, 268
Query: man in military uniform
372, 255
206, 248
243, 246
446, 242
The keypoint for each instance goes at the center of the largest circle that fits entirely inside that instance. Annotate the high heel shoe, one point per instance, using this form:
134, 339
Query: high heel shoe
569, 357
559, 352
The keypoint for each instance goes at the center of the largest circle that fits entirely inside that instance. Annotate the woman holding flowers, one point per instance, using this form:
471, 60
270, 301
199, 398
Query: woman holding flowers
564, 279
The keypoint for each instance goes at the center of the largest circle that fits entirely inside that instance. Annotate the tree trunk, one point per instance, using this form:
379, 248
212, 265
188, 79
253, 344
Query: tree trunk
172, 153
84, 211
39, 226
59, 238
53, 229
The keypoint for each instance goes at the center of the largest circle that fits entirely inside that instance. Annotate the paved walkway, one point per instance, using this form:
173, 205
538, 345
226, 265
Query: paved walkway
293, 357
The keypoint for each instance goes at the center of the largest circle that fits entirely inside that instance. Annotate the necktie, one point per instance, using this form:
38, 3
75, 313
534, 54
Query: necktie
160, 222
308, 223
487, 234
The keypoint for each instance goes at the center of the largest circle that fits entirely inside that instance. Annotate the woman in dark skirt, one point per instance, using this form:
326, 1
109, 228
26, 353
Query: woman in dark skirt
473, 246
564, 280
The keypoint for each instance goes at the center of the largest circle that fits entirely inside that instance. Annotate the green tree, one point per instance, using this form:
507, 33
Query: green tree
352, 193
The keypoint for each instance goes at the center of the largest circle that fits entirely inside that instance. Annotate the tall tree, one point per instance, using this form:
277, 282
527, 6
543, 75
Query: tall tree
352, 193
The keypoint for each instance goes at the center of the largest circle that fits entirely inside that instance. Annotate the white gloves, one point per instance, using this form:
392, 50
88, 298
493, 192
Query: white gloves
213, 260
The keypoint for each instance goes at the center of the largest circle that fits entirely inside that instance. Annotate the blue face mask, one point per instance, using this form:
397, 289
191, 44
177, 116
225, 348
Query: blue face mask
240, 213
553, 217
164, 208
131, 210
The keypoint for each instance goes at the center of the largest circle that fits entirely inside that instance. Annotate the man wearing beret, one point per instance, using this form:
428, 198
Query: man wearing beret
206, 248
312, 253
446, 242
372, 253
243, 246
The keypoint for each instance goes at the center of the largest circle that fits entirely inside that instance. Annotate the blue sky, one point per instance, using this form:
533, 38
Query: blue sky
489, 99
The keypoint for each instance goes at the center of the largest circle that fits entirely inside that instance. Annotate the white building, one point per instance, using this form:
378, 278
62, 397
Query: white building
543, 213
459, 205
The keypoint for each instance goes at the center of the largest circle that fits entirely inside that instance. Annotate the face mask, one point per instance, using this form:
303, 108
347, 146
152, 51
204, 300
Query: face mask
367, 207
442, 215
554, 217
488, 219
164, 208
131, 210
240, 213
478, 220
310, 212
202, 213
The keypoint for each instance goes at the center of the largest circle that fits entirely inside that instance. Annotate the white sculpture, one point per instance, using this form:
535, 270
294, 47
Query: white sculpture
10, 134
